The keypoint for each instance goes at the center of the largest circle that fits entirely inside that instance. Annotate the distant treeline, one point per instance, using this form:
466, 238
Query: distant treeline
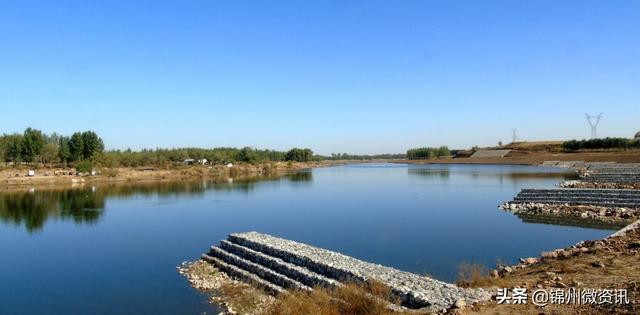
601, 144
34, 146
345, 156
427, 153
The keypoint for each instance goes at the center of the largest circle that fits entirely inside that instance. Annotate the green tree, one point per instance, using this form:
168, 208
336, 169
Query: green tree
76, 147
13, 151
427, 153
50, 153
299, 155
84, 166
64, 150
33, 142
3, 148
92, 144
107, 159
247, 154
600, 144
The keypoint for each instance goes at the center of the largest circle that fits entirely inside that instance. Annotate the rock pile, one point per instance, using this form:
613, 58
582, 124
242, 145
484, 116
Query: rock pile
620, 198
601, 213
604, 185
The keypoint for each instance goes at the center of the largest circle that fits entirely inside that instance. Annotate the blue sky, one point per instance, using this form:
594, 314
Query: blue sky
336, 76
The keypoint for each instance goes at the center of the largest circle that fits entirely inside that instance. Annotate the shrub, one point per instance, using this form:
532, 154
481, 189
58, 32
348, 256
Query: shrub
110, 172
84, 166
600, 144
471, 274
427, 153
299, 155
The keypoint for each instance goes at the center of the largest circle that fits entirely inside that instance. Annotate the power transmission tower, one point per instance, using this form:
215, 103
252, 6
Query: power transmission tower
594, 125
514, 135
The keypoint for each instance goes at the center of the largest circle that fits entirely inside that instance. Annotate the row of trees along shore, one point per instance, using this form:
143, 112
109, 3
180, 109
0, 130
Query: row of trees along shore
427, 153
601, 144
33, 146
346, 156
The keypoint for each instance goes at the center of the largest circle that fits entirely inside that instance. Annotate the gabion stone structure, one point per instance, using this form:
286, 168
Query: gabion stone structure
277, 265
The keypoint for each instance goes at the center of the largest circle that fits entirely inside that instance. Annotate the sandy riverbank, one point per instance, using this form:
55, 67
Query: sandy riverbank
45, 177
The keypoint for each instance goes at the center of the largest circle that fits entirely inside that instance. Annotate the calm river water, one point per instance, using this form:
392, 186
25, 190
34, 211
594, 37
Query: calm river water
114, 249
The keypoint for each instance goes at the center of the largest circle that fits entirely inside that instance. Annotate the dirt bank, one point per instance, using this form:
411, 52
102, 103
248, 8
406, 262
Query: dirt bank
55, 177
610, 264
535, 158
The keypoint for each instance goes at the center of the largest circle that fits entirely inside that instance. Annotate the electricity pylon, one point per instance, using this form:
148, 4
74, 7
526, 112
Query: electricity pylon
594, 125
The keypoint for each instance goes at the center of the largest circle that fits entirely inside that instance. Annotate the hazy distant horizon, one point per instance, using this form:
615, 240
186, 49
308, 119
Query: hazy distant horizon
358, 77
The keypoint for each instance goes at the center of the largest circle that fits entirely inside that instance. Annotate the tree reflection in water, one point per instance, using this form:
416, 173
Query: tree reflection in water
85, 205
32, 209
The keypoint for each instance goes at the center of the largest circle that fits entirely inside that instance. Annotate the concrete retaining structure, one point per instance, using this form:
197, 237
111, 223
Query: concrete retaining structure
279, 264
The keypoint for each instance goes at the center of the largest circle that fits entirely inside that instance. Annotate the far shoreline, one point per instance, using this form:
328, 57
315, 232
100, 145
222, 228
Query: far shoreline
535, 158
121, 175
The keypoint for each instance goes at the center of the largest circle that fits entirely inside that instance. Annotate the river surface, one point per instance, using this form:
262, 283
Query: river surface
114, 249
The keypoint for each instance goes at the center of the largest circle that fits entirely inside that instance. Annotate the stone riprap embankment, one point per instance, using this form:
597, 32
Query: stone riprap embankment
278, 264
615, 200
566, 214
614, 206
619, 198
605, 185
611, 173
566, 164
490, 153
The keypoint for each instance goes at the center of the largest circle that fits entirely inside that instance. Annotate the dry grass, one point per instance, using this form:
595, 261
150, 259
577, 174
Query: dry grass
620, 269
564, 266
110, 172
549, 146
242, 298
371, 298
473, 275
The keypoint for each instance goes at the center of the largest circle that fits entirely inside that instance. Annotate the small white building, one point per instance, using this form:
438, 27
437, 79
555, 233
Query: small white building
202, 161
31, 173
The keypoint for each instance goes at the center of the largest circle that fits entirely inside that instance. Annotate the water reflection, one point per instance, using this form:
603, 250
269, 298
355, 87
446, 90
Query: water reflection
418, 221
302, 176
570, 221
85, 205
515, 175
442, 173
33, 208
